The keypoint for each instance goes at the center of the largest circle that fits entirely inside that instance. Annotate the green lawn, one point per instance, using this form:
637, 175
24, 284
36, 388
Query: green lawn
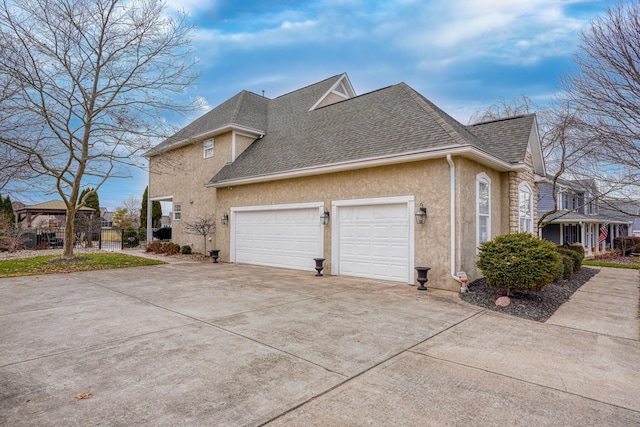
52, 264
610, 264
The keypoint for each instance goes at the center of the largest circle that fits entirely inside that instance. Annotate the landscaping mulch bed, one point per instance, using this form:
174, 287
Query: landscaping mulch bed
530, 305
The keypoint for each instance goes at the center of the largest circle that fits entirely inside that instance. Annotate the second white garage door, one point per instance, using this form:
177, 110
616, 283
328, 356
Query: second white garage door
374, 241
278, 237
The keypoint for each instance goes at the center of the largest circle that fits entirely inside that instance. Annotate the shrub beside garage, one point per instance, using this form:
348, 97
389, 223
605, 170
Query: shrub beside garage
521, 261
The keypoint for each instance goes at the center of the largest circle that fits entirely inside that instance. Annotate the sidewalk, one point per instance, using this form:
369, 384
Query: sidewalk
607, 305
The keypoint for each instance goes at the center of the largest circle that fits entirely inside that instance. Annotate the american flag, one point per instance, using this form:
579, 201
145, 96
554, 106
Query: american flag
604, 232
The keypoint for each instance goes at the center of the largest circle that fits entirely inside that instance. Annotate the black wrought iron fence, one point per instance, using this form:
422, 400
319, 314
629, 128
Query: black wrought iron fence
113, 239
105, 239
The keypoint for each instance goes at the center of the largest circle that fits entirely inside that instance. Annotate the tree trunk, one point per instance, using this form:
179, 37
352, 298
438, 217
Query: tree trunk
69, 234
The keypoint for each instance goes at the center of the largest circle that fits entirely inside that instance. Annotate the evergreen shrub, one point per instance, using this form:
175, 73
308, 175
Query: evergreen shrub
575, 256
130, 238
519, 261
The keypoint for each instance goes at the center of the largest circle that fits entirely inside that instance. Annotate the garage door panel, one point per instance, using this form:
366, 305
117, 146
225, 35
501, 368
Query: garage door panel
287, 238
374, 241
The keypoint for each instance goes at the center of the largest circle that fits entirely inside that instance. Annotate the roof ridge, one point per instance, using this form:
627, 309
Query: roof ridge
519, 116
355, 97
236, 109
428, 107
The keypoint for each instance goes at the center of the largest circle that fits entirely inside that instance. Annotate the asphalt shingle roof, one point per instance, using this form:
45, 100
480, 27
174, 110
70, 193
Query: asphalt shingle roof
507, 138
391, 121
245, 109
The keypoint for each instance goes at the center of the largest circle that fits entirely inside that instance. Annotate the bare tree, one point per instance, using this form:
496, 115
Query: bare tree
606, 86
88, 83
568, 149
132, 206
503, 109
201, 226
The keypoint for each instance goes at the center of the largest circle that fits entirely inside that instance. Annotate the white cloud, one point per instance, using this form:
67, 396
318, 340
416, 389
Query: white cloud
508, 31
286, 33
193, 6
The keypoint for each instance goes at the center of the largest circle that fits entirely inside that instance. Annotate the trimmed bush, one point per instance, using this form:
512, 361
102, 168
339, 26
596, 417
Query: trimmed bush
560, 272
568, 264
142, 234
130, 238
578, 248
167, 248
519, 261
575, 256
155, 247
186, 250
171, 248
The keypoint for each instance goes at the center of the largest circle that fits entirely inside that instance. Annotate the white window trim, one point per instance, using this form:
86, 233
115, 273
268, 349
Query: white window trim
177, 209
485, 179
206, 149
524, 187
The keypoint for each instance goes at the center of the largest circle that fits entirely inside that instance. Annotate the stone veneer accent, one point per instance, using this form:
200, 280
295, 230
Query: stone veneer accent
515, 178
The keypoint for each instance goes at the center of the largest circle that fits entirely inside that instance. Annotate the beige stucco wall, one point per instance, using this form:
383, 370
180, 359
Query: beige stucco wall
182, 173
427, 181
466, 176
242, 143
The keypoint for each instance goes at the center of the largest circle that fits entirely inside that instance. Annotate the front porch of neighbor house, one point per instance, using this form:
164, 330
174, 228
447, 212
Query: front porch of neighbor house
595, 236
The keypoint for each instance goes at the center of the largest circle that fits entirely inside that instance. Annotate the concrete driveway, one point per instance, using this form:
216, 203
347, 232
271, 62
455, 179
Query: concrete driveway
202, 344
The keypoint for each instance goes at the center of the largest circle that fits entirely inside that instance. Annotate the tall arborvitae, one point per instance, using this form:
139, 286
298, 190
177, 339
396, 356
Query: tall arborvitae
6, 209
156, 211
143, 208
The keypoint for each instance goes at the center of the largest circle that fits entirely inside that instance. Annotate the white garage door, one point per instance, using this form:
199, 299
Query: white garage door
374, 241
286, 238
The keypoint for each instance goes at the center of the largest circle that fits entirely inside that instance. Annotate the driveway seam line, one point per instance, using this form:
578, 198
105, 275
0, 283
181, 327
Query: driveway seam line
359, 374
209, 323
92, 347
522, 380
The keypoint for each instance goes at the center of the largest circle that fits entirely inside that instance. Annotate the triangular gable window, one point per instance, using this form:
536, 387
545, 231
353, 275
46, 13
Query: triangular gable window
340, 91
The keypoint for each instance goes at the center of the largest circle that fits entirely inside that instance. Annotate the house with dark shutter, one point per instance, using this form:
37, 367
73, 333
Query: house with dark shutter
580, 214
376, 184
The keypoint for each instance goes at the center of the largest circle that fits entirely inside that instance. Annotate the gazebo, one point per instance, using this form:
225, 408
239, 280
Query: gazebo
53, 212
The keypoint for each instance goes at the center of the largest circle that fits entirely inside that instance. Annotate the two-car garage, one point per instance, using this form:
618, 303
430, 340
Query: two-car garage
370, 238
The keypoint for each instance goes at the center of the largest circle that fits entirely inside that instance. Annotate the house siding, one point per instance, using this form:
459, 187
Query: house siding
181, 173
466, 173
427, 181
545, 201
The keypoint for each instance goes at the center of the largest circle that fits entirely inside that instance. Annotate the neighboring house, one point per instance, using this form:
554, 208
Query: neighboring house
274, 170
106, 218
582, 215
47, 214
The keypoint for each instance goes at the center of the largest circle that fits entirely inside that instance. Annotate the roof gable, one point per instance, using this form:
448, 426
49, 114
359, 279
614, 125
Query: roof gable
511, 138
245, 110
339, 91
389, 122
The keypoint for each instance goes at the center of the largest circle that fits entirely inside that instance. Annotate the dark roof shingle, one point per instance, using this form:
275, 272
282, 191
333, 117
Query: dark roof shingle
391, 121
506, 138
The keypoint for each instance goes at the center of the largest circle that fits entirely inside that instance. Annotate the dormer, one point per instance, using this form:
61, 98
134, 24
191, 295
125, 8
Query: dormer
339, 91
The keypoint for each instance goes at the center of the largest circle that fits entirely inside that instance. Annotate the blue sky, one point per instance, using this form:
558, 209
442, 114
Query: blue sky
463, 55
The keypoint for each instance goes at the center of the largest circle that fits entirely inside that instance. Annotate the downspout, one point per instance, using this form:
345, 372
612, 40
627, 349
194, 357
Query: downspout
452, 215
